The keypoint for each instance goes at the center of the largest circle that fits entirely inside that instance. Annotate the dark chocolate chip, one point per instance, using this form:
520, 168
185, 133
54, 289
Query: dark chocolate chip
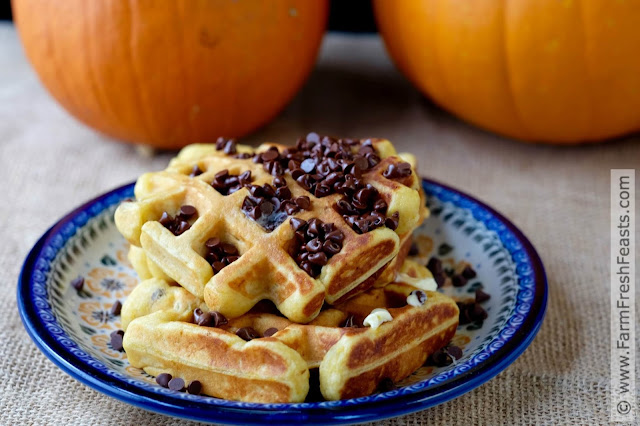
331, 248
195, 171
163, 379
230, 147
78, 282
212, 243
481, 296
176, 384
270, 332
194, 387
393, 221
182, 228
458, 280
319, 258
336, 236
440, 358
202, 318
380, 206
116, 340
247, 333
270, 155
454, 351
413, 250
217, 266
468, 272
217, 319
116, 308
314, 246
187, 211
303, 202
435, 266
308, 165
279, 182
478, 313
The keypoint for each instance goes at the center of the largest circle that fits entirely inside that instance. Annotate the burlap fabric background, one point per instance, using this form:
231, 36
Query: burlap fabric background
558, 196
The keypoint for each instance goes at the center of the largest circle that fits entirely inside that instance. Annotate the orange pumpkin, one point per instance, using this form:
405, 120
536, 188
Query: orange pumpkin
171, 72
540, 70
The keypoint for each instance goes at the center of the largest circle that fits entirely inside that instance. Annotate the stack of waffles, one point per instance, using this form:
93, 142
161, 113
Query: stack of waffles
261, 267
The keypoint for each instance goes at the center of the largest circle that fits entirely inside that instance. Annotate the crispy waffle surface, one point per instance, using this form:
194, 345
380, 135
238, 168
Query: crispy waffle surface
265, 268
161, 337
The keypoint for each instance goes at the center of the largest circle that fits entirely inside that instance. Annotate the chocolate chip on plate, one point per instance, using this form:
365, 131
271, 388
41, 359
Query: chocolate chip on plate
481, 296
78, 282
176, 384
194, 387
116, 340
163, 379
116, 308
454, 351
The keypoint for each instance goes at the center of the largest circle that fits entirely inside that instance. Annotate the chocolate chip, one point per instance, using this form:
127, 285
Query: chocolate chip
176, 384
270, 155
279, 181
187, 211
165, 220
195, 171
331, 248
314, 246
194, 387
380, 206
116, 308
439, 279
413, 250
212, 242
481, 296
478, 313
393, 221
247, 333
218, 319
308, 165
313, 137
350, 322
217, 266
202, 318
163, 379
336, 236
230, 147
454, 351
77, 282
116, 340
435, 266
440, 358
318, 258
270, 332
306, 266
468, 272
303, 202
297, 223
361, 162
182, 228
458, 280
283, 193
314, 227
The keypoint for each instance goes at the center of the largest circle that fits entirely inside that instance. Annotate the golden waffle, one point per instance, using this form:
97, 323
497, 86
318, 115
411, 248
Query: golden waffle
160, 337
265, 268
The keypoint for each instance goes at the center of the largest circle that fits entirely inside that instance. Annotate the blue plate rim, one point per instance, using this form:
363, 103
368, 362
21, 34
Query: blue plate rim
354, 413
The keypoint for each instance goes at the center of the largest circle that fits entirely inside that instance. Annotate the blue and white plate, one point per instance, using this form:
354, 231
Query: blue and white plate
72, 328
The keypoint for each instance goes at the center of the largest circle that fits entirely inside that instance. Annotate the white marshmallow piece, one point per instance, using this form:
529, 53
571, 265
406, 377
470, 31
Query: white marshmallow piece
377, 317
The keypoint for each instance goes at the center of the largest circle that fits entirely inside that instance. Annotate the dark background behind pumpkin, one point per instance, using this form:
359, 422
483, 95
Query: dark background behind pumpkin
348, 16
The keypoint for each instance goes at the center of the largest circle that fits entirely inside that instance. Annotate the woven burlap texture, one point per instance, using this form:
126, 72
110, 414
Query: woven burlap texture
558, 196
